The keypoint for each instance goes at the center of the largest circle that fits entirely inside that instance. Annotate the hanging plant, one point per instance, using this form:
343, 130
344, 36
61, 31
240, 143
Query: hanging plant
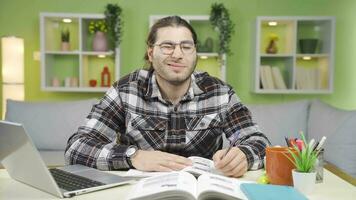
221, 22
114, 23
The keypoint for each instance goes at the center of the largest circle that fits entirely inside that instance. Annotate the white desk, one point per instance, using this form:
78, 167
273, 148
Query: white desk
332, 188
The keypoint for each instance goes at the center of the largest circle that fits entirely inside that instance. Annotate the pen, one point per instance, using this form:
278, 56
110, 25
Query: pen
235, 137
311, 144
322, 141
286, 141
316, 145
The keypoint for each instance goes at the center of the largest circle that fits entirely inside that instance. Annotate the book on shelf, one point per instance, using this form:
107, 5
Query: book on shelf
308, 78
200, 166
266, 77
278, 78
271, 78
183, 185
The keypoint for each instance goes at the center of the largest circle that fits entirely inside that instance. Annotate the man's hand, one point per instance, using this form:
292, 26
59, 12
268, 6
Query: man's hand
159, 161
234, 164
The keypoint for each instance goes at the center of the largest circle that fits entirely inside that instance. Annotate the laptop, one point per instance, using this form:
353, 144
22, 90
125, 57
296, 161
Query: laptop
23, 163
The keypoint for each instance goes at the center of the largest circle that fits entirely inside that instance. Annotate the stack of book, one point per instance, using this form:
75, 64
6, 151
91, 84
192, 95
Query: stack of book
271, 78
308, 78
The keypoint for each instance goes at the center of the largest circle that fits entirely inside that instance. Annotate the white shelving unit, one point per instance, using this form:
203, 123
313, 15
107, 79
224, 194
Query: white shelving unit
80, 61
304, 72
217, 64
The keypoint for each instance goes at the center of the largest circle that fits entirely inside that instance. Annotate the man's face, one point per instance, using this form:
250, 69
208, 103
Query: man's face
177, 66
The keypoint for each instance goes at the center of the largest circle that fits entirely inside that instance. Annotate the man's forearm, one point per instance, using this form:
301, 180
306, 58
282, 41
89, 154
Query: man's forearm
254, 151
86, 150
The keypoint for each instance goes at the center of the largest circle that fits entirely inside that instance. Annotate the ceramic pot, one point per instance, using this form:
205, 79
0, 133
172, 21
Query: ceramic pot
278, 166
304, 182
65, 46
92, 82
100, 42
308, 46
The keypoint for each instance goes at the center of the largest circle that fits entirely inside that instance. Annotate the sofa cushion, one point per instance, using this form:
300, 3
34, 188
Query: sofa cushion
280, 120
53, 158
339, 126
49, 124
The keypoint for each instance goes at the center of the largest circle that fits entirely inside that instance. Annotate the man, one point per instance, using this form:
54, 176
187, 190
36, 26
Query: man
152, 120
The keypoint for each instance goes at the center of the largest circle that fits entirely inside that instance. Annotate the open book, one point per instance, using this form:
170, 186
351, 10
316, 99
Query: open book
183, 185
200, 166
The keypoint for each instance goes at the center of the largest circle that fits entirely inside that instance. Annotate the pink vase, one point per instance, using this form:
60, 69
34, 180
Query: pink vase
100, 42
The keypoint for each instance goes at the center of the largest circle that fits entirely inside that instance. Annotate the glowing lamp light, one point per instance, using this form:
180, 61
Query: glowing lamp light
203, 57
67, 20
272, 23
12, 56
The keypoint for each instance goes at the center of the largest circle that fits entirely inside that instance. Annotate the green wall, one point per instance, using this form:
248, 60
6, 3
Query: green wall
21, 18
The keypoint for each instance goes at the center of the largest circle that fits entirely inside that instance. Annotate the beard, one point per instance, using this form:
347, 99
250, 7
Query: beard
165, 72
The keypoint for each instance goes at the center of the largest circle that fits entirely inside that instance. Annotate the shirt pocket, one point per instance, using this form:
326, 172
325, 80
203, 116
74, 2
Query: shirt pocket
204, 129
148, 131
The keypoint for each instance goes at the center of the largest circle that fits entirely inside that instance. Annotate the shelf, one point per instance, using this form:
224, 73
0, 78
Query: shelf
98, 53
76, 89
62, 52
293, 91
277, 55
312, 55
80, 63
298, 67
208, 54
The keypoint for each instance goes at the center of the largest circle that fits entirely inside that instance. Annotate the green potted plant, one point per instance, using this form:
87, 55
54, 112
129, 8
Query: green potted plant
114, 22
98, 28
221, 22
65, 37
304, 158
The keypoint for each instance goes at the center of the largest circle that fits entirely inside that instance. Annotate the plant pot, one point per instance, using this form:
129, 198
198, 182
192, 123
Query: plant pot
92, 83
65, 46
304, 182
100, 42
308, 45
278, 166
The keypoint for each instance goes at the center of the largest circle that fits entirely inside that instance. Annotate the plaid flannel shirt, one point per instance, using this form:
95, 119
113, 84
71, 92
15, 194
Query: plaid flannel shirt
133, 112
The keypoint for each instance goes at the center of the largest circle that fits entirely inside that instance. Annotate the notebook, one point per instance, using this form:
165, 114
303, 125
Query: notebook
255, 191
23, 163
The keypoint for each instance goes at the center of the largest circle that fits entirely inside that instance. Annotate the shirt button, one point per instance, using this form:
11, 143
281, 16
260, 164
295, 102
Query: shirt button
202, 124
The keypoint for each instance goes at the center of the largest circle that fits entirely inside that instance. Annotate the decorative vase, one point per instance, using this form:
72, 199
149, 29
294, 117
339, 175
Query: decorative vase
308, 45
209, 44
92, 83
100, 42
65, 46
304, 182
272, 47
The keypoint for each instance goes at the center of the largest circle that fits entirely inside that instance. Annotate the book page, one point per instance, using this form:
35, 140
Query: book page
201, 166
212, 186
142, 174
164, 186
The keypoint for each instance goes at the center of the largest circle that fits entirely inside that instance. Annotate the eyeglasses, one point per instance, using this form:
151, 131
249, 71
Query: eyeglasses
168, 47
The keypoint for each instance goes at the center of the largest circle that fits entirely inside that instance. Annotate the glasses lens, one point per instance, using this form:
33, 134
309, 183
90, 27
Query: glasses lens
167, 48
187, 48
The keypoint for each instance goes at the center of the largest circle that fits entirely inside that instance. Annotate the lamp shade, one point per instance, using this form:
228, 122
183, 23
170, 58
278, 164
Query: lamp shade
12, 49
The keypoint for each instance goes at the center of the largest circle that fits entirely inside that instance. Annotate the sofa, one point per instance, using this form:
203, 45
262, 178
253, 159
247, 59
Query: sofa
50, 124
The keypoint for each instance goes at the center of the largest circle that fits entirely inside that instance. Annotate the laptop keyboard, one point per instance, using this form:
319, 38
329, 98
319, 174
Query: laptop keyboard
71, 182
